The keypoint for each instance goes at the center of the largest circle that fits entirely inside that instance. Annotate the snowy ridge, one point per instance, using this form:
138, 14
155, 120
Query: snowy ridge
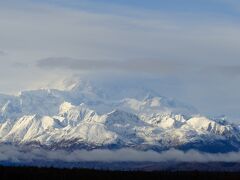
84, 117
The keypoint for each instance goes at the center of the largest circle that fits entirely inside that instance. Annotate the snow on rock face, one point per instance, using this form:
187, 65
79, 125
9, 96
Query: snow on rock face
5, 128
167, 122
49, 123
65, 107
205, 124
20, 129
122, 118
76, 114
93, 133
85, 116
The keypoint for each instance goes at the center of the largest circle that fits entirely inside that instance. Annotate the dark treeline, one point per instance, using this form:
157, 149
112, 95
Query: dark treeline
32, 173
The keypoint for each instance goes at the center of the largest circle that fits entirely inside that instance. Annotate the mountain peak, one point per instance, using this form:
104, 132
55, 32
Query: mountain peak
91, 114
65, 106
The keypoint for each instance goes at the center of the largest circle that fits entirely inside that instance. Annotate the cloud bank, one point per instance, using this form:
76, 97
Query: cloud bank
151, 66
14, 154
147, 65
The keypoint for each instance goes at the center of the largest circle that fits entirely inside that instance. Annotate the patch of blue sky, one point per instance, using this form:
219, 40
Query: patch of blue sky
218, 7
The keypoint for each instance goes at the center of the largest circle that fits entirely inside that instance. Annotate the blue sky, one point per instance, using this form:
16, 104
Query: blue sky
218, 7
188, 48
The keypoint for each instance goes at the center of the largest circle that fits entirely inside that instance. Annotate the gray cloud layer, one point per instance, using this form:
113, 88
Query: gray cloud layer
151, 66
14, 154
135, 65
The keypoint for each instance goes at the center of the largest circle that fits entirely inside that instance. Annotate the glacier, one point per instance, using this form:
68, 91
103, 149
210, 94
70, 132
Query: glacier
83, 115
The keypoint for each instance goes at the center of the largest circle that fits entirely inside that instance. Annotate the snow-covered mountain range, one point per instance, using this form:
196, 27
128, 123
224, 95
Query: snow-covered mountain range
85, 116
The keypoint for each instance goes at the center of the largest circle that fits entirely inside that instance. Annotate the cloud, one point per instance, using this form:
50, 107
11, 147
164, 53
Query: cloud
188, 49
20, 65
134, 65
151, 66
15, 154
229, 70
3, 53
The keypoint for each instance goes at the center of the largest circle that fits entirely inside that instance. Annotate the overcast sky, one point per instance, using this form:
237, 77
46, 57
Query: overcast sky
190, 50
